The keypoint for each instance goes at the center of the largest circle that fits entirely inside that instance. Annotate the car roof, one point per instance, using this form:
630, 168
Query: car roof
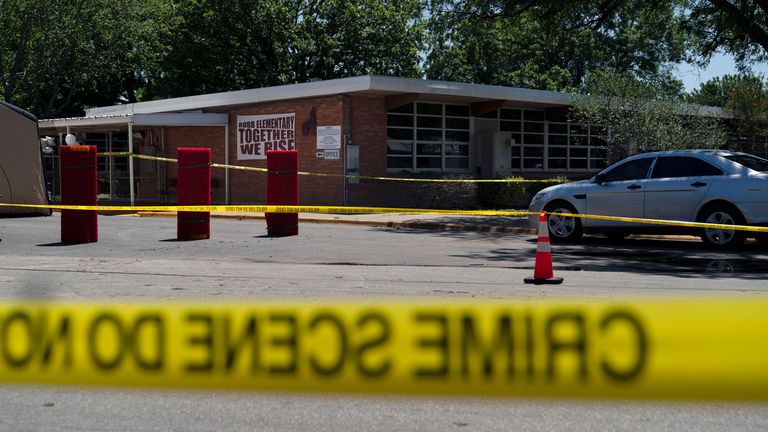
691, 152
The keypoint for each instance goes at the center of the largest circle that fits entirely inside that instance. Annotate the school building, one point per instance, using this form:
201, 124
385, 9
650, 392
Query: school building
348, 129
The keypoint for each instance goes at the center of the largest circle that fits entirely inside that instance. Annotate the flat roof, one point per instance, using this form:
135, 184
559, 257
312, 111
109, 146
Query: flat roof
371, 84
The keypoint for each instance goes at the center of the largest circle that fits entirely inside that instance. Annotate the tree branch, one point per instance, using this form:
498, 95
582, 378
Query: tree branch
756, 33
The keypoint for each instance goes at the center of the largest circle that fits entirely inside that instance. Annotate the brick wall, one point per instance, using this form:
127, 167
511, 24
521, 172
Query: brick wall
250, 187
195, 137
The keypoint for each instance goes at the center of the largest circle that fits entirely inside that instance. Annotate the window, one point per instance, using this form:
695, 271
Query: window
751, 162
636, 169
427, 136
683, 166
527, 127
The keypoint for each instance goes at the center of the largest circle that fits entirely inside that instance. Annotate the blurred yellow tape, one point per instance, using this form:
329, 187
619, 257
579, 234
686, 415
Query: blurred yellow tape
700, 349
305, 173
384, 210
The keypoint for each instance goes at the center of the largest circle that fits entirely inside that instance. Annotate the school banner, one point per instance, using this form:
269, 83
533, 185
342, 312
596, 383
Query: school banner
258, 134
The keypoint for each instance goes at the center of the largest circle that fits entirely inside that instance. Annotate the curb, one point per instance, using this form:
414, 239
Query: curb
434, 226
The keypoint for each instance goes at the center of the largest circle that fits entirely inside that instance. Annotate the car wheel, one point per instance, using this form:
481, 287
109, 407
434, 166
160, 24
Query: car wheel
718, 238
562, 229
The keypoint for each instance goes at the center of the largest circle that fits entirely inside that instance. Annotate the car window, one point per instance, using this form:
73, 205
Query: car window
633, 170
683, 166
751, 162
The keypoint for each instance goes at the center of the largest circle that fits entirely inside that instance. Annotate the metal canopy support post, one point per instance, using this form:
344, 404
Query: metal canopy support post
226, 162
130, 161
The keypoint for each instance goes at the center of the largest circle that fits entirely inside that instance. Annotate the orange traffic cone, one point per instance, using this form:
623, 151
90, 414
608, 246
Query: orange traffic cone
542, 272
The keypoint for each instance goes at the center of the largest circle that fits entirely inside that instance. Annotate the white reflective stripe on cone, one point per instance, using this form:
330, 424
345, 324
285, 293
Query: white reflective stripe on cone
543, 231
543, 247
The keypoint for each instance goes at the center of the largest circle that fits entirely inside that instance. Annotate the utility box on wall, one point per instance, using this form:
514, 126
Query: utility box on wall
353, 163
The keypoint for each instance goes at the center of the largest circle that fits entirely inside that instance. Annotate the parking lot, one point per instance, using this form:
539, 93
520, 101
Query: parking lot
138, 259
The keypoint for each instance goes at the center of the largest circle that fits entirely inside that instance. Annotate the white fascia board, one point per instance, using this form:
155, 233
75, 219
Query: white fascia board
240, 97
481, 91
85, 121
181, 119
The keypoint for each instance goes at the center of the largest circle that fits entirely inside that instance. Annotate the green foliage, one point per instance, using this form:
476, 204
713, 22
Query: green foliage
746, 95
226, 45
644, 115
512, 194
54, 62
551, 45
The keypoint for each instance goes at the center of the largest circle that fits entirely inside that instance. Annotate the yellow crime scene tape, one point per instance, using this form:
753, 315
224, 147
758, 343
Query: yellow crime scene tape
305, 173
383, 210
715, 350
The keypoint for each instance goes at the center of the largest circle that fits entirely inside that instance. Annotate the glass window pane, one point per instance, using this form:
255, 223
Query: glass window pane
578, 129
456, 123
456, 163
407, 108
578, 164
399, 120
429, 108
636, 169
557, 164
560, 128
558, 140
533, 139
534, 127
533, 151
598, 142
400, 134
558, 152
456, 150
457, 110
399, 148
510, 114
458, 136
579, 152
683, 166
428, 163
536, 163
509, 126
579, 140
429, 135
428, 149
429, 122
516, 151
534, 115
399, 163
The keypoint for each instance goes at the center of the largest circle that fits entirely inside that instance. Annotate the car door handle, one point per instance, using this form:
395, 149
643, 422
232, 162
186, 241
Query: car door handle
698, 184
634, 186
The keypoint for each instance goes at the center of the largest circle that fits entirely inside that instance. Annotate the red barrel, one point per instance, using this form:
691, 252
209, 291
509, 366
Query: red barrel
282, 189
79, 187
194, 188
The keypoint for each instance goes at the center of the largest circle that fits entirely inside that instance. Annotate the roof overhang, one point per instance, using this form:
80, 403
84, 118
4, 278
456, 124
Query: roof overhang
121, 122
380, 85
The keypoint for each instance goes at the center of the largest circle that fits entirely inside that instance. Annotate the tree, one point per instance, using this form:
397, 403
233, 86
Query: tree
235, 44
54, 62
642, 116
551, 45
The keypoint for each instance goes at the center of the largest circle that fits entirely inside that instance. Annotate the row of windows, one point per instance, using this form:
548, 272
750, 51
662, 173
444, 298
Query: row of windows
428, 136
432, 136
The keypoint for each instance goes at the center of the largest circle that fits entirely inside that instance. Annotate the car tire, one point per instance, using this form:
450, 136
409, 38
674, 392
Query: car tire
718, 238
562, 229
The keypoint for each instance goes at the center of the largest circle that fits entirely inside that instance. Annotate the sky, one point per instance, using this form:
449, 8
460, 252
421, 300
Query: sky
720, 65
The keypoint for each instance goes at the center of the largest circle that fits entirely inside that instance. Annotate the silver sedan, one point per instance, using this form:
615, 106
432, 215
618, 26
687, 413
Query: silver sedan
714, 186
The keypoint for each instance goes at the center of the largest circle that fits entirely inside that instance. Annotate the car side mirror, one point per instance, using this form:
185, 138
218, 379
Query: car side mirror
600, 179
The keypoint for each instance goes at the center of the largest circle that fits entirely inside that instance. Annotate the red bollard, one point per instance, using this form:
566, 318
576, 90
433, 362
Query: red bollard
194, 188
79, 187
282, 189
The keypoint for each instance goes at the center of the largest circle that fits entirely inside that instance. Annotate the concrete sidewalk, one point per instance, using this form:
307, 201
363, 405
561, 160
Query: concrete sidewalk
415, 221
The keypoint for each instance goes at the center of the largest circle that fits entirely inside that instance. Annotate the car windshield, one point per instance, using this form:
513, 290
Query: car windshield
751, 162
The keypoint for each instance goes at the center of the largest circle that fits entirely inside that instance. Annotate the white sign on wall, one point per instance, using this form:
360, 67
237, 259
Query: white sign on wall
328, 137
331, 154
259, 133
